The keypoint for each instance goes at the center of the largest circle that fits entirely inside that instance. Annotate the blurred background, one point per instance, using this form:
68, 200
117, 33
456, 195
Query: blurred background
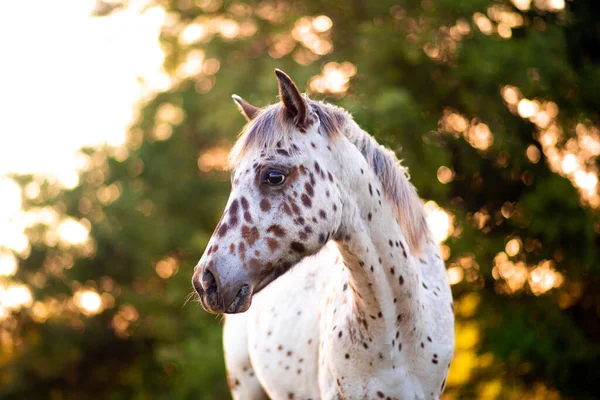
116, 118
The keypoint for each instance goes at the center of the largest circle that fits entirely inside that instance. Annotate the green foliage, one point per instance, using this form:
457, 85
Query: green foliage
149, 345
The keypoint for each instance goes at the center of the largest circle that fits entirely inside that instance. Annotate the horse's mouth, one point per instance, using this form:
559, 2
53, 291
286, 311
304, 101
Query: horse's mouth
242, 301
214, 305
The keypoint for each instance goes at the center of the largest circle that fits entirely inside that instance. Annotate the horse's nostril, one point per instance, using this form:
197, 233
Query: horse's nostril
208, 281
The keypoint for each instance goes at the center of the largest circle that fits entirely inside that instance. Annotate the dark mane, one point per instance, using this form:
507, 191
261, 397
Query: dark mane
271, 127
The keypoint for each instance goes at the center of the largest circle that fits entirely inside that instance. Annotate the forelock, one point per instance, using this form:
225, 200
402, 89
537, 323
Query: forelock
271, 127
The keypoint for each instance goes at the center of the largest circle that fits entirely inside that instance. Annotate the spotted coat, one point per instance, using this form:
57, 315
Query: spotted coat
346, 303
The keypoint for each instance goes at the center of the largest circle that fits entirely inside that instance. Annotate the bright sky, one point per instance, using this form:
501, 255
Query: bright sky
68, 80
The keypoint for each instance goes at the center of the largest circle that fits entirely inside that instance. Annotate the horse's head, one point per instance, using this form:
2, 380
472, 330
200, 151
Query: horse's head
284, 203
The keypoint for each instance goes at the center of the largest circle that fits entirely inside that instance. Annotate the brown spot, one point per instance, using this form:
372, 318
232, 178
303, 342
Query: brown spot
242, 250
321, 238
330, 176
370, 190
401, 280
322, 214
254, 264
306, 200
222, 230
370, 216
247, 217
290, 395
287, 209
309, 189
245, 204
295, 207
233, 208
265, 205
302, 235
317, 168
347, 356
232, 248
380, 395
272, 243
250, 234
283, 152
298, 247
276, 230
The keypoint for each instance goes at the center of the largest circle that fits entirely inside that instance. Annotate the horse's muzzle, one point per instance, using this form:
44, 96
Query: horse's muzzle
217, 297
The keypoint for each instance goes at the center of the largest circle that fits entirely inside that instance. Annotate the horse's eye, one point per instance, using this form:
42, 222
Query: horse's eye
275, 178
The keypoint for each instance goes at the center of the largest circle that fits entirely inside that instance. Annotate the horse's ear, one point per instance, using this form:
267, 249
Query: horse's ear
295, 105
247, 109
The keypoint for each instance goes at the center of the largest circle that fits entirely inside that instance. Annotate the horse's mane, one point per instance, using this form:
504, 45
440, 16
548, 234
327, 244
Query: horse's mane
270, 128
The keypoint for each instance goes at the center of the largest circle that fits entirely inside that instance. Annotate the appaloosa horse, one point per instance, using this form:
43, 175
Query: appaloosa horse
324, 222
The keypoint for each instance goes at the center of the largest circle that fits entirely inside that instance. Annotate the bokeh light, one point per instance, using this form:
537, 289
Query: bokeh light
440, 221
334, 78
88, 301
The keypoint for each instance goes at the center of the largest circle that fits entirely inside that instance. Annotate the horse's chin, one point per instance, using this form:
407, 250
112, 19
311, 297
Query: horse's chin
240, 304
242, 301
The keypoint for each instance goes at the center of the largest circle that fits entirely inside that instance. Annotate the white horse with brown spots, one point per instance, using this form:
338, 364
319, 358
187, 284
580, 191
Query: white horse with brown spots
323, 222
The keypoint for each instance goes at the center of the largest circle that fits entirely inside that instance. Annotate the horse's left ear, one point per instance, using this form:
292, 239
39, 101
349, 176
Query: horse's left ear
295, 105
247, 109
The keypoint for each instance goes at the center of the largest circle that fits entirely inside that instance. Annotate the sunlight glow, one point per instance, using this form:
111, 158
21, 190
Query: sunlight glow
88, 301
313, 33
334, 78
72, 231
513, 247
572, 154
167, 267
214, 158
8, 264
544, 277
455, 275
477, 133
14, 296
445, 174
540, 278
440, 221
76, 78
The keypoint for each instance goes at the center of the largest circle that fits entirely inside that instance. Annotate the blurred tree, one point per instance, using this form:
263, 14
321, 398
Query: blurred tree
493, 105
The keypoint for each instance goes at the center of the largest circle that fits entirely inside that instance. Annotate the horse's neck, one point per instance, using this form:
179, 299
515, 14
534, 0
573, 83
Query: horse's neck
382, 275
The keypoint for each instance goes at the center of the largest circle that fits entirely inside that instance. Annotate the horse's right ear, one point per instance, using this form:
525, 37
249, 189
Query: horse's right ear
247, 109
295, 105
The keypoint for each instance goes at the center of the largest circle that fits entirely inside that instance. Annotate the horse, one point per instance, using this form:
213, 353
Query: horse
325, 235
